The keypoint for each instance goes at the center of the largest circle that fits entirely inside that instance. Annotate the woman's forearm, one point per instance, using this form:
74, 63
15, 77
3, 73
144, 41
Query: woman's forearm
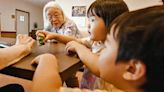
64, 39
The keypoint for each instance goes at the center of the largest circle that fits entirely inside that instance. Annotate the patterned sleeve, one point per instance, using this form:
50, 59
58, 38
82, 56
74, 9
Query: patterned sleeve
71, 29
65, 89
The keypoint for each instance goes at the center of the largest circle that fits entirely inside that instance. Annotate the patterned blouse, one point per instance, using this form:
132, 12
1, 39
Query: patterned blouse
69, 28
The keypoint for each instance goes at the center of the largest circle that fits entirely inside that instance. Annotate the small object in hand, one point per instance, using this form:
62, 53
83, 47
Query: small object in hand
41, 38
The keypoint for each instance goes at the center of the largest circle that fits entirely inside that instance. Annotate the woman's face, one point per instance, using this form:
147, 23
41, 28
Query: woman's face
55, 17
97, 28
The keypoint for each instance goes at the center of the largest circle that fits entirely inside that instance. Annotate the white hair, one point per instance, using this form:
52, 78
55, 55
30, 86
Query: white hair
51, 4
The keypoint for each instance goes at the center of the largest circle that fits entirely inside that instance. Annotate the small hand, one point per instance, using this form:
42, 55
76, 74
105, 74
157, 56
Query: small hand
25, 40
44, 58
72, 46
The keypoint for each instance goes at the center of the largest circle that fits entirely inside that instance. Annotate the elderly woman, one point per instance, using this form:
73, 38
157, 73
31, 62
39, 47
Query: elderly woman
56, 21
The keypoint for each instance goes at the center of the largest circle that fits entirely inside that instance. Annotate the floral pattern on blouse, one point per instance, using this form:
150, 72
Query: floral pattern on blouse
69, 28
88, 79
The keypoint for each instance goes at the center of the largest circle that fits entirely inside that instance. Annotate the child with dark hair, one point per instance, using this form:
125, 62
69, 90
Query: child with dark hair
100, 9
133, 57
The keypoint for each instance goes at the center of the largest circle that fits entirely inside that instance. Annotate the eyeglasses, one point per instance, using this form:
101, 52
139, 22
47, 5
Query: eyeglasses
56, 16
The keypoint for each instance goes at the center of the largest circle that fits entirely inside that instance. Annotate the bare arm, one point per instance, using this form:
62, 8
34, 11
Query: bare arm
46, 77
22, 48
86, 56
14, 52
64, 39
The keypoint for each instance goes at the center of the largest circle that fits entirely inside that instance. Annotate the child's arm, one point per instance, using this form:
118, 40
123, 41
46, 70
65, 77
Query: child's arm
62, 38
46, 77
23, 47
85, 55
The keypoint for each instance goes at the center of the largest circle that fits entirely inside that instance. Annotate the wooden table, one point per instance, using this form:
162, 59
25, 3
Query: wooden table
67, 64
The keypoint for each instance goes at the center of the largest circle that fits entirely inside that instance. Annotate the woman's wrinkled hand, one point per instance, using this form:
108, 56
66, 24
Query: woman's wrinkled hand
48, 35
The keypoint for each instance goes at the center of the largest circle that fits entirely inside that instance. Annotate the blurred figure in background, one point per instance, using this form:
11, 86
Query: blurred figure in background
55, 21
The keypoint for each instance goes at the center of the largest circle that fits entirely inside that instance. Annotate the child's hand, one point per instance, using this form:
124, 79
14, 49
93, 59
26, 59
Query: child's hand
26, 41
72, 46
48, 35
43, 58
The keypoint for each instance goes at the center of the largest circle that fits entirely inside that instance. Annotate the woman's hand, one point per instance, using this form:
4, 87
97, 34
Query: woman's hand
48, 35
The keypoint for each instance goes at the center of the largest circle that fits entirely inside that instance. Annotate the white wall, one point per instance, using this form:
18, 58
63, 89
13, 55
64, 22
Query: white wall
7, 8
67, 8
139, 4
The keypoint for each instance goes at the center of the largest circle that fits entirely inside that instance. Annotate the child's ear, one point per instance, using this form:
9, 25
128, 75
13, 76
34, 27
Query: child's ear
135, 70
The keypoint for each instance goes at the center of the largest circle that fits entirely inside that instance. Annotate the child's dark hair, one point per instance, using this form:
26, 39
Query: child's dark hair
140, 35
108, 10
